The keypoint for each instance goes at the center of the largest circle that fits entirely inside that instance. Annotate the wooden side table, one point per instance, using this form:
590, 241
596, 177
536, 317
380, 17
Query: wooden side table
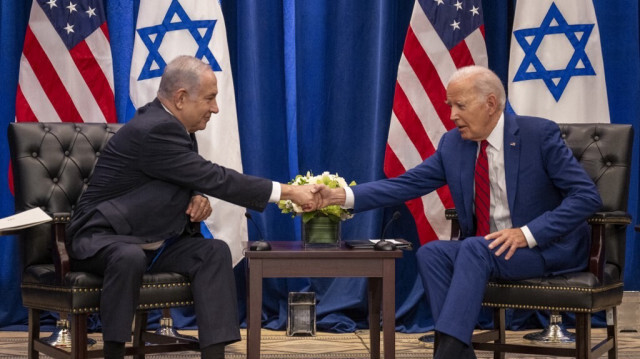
291, 260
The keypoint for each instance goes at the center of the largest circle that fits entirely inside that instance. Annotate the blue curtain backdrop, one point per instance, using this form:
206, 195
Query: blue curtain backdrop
314, 85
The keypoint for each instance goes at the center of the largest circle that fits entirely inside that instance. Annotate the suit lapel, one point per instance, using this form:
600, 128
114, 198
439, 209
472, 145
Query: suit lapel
511, 157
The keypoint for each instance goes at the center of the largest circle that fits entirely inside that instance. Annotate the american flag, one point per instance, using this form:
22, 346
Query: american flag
443, 35
66, 72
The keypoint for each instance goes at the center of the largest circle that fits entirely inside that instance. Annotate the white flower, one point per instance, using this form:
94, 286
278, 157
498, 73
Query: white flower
296, 208
326, 178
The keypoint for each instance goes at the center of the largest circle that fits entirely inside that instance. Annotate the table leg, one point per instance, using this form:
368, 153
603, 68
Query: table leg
254, 307
389, 308
375, 296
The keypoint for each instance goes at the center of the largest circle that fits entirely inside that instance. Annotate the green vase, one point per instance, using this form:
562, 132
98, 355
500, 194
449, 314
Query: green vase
321, 231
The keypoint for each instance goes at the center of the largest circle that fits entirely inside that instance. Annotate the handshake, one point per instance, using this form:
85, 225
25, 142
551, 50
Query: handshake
314, 196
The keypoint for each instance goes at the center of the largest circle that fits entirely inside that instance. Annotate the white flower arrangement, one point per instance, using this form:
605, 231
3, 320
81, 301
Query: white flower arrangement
334, 212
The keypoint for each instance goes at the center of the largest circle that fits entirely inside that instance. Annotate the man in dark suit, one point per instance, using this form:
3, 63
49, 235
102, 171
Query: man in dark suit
145, 191
522, 201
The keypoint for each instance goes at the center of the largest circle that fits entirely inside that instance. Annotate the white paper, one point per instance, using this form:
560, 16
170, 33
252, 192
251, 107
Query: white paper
26, 219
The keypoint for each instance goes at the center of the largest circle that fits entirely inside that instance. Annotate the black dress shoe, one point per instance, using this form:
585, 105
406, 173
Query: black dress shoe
452, 348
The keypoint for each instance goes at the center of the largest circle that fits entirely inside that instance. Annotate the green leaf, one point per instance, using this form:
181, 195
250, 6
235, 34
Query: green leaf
306, 216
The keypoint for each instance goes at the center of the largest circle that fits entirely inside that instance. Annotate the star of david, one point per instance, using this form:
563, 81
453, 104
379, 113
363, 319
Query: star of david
160, 30
578, 65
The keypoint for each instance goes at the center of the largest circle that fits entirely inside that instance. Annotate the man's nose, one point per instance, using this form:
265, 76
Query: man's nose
453, 115
214, 107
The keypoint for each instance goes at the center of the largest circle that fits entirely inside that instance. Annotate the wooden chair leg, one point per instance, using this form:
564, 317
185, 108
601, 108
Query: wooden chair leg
139, 327
34, 332
79, 336
499, 324
583, 335
612, 331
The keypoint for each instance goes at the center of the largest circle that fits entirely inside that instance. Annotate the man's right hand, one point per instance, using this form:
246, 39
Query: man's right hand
330, 196
305, 196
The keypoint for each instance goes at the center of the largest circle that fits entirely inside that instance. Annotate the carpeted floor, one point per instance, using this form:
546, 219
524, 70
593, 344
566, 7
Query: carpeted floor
276, 344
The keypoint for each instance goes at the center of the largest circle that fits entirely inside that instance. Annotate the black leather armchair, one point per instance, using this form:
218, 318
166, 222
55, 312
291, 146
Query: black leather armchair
52, 164
604, 150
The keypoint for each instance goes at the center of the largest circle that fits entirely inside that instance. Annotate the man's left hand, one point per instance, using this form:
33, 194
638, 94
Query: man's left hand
199, 208
508, 239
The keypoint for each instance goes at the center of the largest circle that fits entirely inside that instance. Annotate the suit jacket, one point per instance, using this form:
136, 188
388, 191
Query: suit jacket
547, 189
143, 182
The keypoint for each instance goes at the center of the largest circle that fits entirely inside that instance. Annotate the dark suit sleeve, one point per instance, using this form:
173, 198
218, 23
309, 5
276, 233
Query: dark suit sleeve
581, 198
166, 153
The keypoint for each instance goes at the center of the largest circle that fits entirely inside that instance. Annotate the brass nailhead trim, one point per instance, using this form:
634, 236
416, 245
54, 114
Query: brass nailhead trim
181, 284
543, 307
83, 290
83, 310
60, 289
539, 287
612, 220
165, 305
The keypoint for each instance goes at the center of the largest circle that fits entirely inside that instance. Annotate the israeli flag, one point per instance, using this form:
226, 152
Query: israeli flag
166, 29
556, 69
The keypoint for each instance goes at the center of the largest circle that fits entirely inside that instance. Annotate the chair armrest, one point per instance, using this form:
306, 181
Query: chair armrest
452, 215
615, 217
598, 223
59, 247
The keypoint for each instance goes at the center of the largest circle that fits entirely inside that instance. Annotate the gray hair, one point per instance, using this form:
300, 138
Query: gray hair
182, 72
485, 82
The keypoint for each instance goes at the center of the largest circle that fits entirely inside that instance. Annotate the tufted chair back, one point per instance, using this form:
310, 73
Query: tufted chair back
604, 150
52, 164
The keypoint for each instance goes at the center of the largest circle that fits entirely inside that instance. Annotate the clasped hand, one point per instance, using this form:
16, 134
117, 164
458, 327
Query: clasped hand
316, 196
199, 208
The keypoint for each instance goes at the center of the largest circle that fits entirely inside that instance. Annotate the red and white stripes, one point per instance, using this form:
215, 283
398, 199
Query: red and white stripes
60, 85
420, 115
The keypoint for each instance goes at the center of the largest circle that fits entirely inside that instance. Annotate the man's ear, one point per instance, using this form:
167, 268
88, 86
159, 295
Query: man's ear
492, 103
179, 98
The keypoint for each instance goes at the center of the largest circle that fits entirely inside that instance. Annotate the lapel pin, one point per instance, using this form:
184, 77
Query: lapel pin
513, 144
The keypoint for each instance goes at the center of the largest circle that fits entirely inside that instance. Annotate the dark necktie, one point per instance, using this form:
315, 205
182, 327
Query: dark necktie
482, 201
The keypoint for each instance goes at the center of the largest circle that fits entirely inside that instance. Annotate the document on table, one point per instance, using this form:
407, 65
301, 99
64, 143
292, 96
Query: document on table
26, 219
369, 243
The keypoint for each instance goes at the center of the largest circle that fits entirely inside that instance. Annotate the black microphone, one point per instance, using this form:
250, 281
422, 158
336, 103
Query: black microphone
249, 217
394, 218
261, 244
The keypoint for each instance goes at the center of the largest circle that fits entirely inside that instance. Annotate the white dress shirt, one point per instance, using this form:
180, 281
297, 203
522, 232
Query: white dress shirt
500, 216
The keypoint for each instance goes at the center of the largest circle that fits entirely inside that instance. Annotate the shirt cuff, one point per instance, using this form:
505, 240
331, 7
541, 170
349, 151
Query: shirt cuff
349, 200
531, 241
276, 192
